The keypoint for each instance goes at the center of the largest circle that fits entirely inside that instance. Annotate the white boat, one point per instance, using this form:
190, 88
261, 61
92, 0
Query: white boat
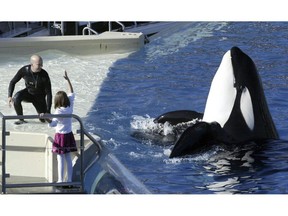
29, 167
104, 43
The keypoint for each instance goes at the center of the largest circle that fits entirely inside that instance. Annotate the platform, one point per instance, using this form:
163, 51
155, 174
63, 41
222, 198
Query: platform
104, 43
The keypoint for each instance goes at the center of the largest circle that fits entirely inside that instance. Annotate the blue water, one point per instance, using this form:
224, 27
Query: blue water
174, 72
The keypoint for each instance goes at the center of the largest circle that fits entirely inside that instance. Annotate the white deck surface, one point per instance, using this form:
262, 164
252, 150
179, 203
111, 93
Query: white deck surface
86, 73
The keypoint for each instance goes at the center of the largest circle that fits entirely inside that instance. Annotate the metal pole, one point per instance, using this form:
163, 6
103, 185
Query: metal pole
82, 155
3, 149
109, 24
62, 28
89, 27
82, 131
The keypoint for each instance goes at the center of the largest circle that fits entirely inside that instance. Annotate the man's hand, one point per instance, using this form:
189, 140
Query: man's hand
42, 116
10, 101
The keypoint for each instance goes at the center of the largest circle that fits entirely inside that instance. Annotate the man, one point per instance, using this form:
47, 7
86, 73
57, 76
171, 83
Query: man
38, 88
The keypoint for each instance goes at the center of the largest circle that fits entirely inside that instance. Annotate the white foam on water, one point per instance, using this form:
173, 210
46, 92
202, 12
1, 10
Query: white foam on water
86, 73
146, 124
173, 41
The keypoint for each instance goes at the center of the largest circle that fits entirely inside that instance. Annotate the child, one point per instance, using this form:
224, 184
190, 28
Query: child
64, 141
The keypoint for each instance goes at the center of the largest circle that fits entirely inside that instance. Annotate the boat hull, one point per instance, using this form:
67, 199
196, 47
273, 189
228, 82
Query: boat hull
104, 43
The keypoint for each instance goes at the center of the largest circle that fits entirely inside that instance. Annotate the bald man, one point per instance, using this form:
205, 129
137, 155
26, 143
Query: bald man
38, 88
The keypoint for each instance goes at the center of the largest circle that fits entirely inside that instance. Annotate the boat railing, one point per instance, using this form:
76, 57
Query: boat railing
121, 24
89, 30
16, 29
6, 133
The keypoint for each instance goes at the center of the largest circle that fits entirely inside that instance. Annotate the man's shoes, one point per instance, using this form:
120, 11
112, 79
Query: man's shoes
42, 120
19, 122
64, 186
67, 187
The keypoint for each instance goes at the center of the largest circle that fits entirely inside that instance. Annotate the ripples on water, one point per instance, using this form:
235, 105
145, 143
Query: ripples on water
174, 72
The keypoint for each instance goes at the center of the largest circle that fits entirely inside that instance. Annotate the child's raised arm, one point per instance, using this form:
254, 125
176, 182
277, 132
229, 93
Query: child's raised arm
69, 83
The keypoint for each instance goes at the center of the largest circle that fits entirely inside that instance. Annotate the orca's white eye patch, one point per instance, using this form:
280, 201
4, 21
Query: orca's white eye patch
246, 107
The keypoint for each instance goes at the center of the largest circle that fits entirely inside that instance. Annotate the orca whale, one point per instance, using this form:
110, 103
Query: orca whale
236, 110
178, 116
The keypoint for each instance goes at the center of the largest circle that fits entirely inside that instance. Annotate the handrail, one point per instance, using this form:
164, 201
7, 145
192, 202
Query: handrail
5, 133
121, 24
106, 162
89, 29
3, 147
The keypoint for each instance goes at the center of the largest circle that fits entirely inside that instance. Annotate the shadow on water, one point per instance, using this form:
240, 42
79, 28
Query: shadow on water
174, 72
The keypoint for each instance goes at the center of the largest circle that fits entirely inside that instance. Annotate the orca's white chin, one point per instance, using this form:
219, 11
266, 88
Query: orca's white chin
222, 96
222, 93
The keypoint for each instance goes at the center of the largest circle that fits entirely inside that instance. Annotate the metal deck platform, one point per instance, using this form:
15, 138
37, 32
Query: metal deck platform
29, 167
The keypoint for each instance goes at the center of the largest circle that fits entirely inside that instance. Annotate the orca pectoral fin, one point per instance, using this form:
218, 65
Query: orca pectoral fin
195, 138
178, 116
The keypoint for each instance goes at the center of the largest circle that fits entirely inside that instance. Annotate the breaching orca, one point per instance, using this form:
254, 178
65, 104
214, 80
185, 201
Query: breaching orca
236, 110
